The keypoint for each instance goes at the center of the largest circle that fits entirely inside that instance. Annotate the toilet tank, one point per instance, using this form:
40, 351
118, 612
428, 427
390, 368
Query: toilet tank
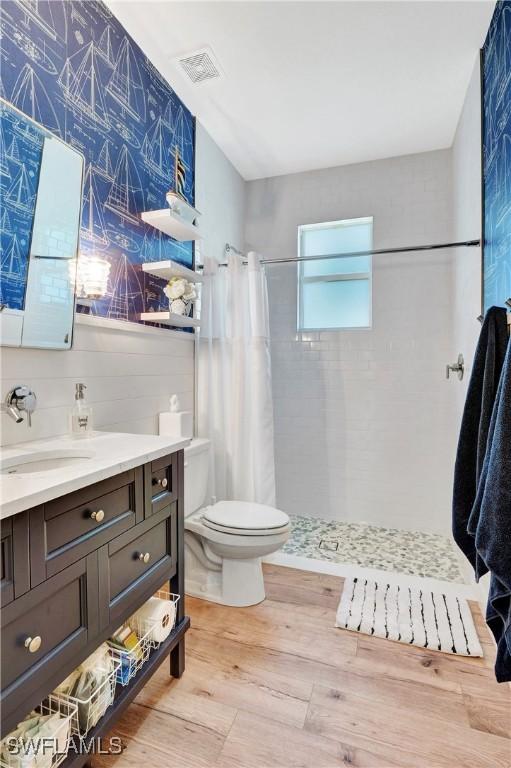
196, 474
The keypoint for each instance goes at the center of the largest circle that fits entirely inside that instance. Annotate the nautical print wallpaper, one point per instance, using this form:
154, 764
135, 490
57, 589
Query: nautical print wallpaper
72, 67
496, 124
18, 183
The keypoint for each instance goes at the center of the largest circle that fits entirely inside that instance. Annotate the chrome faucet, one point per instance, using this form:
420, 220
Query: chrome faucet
21, 398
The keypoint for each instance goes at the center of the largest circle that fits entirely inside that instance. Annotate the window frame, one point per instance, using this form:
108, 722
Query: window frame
332, 277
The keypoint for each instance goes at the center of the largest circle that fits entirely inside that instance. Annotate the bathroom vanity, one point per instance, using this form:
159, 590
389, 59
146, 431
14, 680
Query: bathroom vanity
85, 541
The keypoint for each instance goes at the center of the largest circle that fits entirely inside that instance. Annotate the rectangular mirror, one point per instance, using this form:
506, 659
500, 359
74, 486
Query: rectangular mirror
41, 193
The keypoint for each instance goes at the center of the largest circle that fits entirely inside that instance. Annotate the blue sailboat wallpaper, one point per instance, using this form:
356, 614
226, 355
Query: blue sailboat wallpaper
21, 146
496, 84
73, 68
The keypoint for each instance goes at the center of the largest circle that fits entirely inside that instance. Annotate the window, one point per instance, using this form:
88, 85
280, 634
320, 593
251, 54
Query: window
335, 293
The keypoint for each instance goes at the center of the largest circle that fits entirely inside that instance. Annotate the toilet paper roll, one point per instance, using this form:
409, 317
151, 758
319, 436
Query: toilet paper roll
156, 617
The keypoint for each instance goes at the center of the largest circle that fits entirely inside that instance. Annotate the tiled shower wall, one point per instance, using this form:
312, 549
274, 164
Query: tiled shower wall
365, 419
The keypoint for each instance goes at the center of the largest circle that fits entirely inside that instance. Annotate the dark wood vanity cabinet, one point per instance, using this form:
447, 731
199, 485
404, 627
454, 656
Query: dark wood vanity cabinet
75, 568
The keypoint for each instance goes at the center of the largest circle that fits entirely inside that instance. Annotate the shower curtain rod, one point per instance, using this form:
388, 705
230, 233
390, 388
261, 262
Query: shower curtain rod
373, 252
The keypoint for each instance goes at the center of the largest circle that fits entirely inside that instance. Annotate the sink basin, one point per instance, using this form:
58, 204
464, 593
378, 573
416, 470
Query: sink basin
43, 461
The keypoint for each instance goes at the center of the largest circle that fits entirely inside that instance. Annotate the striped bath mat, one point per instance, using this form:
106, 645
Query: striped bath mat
408, 614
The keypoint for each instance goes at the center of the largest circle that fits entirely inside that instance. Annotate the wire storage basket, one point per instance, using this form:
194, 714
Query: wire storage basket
151, 624
129, 662
90, 709
157, 617
42, 739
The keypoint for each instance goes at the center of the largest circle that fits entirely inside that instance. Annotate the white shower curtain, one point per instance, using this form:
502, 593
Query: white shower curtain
234, 388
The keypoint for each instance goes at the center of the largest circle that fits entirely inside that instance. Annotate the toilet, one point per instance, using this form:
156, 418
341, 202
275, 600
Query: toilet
224, 542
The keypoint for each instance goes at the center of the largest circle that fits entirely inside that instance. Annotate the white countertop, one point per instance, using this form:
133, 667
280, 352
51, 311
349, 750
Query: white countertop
112, 453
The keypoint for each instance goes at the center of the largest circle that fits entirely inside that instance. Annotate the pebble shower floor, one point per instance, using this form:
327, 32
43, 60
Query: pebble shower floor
388, 549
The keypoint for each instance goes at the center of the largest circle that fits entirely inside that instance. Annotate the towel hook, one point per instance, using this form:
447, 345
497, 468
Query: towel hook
507, 303
457, 367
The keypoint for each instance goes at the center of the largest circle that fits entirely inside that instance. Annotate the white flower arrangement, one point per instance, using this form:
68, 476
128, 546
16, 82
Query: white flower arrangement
180, 294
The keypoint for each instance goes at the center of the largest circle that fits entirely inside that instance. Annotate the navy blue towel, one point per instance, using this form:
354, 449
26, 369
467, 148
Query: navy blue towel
480, 567
490, 522
475, 424
498, 618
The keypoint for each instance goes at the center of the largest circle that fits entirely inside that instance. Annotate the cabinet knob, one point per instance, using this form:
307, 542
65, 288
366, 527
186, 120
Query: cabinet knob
32, 644
162, 482
98, 516
144, 557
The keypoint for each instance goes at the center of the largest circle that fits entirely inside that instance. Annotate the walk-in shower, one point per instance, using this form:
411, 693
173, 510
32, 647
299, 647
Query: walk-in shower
365, 419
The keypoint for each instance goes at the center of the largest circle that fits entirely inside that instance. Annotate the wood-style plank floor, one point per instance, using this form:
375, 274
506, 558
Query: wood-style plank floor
277, 686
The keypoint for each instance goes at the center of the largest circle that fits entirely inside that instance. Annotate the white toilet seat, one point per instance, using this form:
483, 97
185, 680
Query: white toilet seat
242, 518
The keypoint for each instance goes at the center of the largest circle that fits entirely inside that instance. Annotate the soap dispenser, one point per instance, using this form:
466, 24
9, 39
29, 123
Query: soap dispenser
81, 414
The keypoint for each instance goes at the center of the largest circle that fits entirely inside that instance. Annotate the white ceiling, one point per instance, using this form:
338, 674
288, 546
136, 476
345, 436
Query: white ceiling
316, 84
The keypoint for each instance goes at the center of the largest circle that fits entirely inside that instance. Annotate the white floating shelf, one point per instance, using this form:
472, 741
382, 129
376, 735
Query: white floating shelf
171, 224
167, 269
170, 318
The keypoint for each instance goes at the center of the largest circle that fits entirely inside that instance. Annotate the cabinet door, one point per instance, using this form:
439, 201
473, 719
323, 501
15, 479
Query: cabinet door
161, 483
134, 565
6, 563
43, 632
14, 558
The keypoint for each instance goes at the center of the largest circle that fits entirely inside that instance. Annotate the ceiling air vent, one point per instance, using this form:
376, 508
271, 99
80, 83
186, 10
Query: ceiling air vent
199, 65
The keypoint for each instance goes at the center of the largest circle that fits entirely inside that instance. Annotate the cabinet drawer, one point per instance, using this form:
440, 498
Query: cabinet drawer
161, 483
136, 558
136, 563
57, 617
69, 528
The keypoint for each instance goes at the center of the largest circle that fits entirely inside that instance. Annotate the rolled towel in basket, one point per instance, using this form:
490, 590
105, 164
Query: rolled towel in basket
156, 617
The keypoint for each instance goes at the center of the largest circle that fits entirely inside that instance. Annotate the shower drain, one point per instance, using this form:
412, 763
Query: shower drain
331, 545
